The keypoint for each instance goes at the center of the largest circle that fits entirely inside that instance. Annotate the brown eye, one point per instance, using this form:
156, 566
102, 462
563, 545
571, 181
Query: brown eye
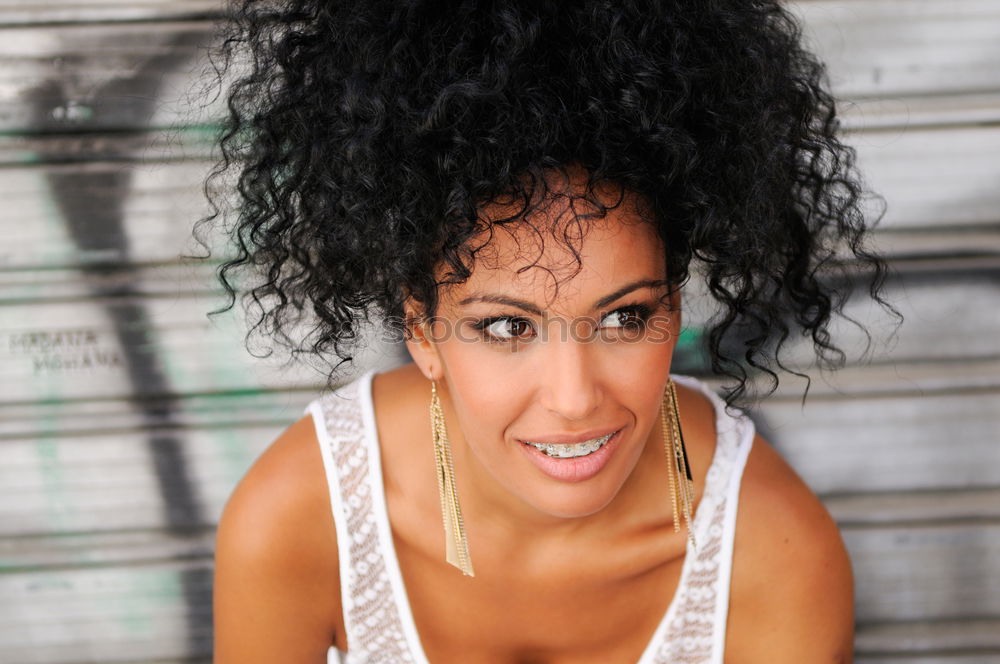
627, 318
509, 329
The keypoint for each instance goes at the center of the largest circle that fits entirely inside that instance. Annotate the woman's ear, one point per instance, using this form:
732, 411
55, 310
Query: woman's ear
419, 341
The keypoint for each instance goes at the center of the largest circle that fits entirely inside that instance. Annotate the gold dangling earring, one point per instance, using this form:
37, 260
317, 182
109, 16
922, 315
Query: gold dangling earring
679, 472
456, 544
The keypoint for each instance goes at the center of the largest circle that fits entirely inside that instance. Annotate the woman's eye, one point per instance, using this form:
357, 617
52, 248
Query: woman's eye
508, 329
630, 318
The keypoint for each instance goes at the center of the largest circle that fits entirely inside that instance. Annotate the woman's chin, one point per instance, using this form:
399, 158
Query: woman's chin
573, 501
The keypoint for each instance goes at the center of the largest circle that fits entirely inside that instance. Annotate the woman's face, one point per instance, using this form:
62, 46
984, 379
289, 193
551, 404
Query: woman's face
536, 348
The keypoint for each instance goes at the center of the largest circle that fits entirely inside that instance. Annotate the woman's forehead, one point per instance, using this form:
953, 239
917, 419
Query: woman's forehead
564, 257
555, 218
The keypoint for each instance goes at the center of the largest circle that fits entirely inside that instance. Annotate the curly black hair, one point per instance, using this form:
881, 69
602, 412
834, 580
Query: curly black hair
366, 136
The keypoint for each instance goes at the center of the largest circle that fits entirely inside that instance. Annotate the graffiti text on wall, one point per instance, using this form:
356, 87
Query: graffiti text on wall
57, 351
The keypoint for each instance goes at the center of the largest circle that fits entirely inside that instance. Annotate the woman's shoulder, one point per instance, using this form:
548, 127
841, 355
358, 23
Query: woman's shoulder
276, 553
792, 586
285, 487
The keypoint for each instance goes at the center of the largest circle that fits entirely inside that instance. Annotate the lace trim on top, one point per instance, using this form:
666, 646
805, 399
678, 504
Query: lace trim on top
377, 616
376, 632
694, 629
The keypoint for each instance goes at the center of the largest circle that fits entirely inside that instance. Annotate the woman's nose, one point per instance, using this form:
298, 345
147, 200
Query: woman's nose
568, 377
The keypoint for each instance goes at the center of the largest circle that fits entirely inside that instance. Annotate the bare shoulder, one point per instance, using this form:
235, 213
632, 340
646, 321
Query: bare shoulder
276, 591
792, 587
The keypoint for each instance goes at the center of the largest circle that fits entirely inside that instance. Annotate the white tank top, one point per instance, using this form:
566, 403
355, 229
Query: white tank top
377, 616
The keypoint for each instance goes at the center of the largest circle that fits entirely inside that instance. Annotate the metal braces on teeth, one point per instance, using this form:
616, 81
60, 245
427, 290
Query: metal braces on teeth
571, 451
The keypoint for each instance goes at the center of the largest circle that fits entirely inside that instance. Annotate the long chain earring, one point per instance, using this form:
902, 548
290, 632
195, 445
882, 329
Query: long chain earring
456, 544
679, 472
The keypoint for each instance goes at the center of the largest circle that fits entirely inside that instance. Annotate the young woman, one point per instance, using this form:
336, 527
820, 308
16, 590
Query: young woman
520, 190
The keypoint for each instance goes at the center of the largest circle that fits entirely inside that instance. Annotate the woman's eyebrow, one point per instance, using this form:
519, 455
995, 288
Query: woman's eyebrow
628, 288
502, 299
496, 298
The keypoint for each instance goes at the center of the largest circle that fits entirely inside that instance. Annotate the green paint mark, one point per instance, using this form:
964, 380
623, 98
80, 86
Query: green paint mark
57, 504
690, 354
234, 452
689, 338
148, 595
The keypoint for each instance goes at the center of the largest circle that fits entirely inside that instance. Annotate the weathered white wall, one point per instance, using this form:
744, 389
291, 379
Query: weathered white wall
126, 416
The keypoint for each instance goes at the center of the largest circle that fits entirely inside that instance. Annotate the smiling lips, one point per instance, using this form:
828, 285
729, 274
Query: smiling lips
574, 458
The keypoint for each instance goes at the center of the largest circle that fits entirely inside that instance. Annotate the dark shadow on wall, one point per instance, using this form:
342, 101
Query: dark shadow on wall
91, 205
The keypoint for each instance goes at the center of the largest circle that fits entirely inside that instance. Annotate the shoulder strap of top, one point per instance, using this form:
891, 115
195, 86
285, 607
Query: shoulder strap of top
694, 629
370, 585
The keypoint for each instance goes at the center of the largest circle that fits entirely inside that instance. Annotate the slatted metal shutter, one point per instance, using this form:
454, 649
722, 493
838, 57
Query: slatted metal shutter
126, 415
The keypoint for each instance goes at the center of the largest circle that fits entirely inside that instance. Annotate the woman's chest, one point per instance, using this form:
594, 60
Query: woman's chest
567, 616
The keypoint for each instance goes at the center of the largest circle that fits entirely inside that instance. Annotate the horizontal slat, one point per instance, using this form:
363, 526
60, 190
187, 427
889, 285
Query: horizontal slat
114, 482
138, 613
138, 148
973, 637
940, 243
945, 317
70, 78
933, 572
929, 441
192, 278
100, 213
893, 380
205, 411
897, 508
906, 47
64, 550
933, 177
20, 12
932, 658
920, 112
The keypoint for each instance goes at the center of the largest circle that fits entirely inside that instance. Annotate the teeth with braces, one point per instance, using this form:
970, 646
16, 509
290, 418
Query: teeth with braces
571, 451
